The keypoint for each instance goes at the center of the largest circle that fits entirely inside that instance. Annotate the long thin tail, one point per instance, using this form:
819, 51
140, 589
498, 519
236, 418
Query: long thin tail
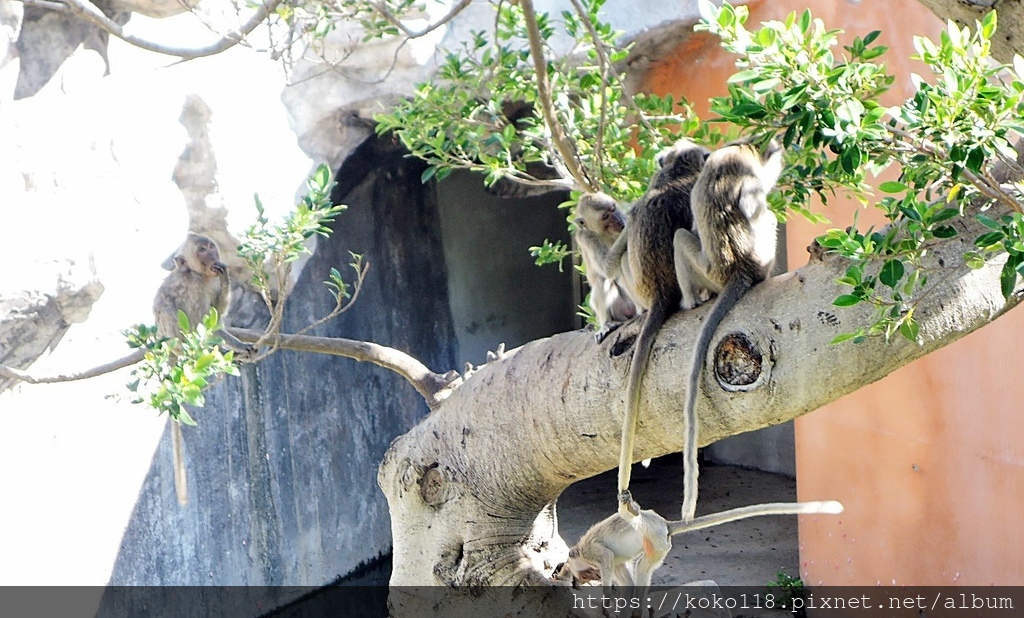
733, 291
830, 507
641, 356
178, 453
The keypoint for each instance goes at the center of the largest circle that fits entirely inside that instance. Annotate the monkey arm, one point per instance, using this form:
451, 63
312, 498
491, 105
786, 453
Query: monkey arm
611, 263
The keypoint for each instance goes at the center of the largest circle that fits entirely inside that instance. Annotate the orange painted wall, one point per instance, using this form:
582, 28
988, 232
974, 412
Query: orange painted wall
929, 461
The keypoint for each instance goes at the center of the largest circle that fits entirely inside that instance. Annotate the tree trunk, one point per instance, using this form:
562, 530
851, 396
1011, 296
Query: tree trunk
469, 488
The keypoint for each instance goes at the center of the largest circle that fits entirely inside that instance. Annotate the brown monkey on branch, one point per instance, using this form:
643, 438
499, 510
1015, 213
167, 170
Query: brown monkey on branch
654, 219
198, 282
613, 546
599, 223
734, 250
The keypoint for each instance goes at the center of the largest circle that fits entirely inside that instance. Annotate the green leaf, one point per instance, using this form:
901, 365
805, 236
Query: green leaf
1008, 278
892, 186
842, 338
743, 76
975, 160
989, 222
428, 174
891, 273
910, 329
989, 239
846, 300
944, 231
973, 260
183, 322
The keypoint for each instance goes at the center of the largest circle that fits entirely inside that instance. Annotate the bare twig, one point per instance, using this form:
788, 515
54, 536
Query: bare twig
426, 382
88, 11
127, 361
413, 34
341, 306
563, 146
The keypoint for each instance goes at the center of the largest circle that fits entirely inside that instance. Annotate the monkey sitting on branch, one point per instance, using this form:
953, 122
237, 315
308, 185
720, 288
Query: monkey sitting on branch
198, 282
733, 250
625, 551
599, 223
648, 245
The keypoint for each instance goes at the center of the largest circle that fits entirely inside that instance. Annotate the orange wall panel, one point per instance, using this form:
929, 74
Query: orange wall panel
929, 461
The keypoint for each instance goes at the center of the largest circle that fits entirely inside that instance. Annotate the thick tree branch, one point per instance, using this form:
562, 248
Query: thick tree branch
432, 386
88, 11
127, 361
551, 410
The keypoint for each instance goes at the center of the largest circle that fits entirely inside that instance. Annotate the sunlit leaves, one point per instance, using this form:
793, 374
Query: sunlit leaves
791, 80
479, 112
174, 372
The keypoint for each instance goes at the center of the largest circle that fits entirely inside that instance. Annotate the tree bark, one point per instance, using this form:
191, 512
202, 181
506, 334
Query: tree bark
1010, 34
470, 487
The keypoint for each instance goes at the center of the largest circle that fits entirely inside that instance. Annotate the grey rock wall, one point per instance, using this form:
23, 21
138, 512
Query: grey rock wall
283, 466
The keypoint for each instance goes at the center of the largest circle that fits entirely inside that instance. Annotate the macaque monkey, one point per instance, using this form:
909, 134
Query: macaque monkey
734, 249
198, 282
653, 220
599, 223
641, 541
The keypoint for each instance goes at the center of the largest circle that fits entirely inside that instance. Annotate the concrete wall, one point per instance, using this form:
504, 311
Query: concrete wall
496, 291
283, 465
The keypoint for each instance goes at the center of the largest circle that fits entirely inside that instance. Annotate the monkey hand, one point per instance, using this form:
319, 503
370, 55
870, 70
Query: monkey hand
220, 268
627, 504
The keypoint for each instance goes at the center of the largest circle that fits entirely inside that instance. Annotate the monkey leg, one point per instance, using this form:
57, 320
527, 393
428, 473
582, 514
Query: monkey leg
691, 268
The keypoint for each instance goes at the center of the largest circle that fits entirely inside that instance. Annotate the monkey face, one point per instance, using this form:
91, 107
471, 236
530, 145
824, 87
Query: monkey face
207, 258
613, 222
582, 571
599, 213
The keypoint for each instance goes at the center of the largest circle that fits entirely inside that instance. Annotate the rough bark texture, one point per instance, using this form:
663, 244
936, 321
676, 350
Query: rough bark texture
466, 485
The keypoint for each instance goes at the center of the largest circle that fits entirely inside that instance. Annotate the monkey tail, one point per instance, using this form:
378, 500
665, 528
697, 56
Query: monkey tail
178, 453
755, 510
726, 300
641, 356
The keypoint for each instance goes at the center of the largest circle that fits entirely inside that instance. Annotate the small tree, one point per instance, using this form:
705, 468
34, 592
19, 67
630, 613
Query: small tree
947, 263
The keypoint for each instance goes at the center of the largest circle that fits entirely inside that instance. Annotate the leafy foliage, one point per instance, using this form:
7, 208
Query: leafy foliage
174, 372
943, 139
478, 83
269, 250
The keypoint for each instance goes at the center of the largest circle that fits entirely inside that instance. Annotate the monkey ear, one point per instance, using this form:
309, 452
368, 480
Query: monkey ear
170, 263
180, 262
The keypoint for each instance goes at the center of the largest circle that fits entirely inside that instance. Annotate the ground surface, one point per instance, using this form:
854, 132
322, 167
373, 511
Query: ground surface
750, 552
